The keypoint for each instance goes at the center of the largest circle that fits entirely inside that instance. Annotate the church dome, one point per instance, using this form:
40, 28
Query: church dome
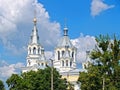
65, 40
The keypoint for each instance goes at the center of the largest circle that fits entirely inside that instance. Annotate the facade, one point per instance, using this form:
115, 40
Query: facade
65, 60
35, 57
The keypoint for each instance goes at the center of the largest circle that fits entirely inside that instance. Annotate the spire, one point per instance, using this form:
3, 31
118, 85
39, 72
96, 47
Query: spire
34, 37
65, 29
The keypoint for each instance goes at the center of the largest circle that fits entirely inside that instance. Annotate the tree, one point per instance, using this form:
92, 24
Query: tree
104, 69
37, 80
2, 85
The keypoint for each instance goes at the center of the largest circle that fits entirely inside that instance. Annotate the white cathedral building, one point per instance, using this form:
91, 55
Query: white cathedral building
64, 57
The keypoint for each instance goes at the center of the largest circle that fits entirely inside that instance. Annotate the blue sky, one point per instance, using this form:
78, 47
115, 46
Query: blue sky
84, 18
79, 18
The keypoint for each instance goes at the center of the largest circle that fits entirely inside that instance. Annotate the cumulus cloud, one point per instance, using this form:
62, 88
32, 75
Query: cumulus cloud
6, 70
97, 6
83, 44
49, 54
16, 25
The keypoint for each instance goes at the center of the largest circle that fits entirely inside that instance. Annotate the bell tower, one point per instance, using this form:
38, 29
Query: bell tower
35, 57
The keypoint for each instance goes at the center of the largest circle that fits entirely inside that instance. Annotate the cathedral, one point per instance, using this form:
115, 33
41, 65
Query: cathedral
64, 56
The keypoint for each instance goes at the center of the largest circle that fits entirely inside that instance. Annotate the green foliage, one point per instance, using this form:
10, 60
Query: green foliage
2, 85
37, 80
104, 65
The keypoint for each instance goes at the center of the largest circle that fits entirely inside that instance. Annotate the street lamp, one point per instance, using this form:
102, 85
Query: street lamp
51, 74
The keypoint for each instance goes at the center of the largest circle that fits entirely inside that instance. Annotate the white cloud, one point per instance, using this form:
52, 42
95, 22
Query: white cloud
48, 54
83, 43
16, 25
97, 6
6, 70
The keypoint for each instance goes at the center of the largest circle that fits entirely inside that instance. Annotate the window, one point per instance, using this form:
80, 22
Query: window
42, 64
63, 53
72, 54
62, 63
29, 62
29, 50
68, 52
38, 50
58, 55
70, 63
34, 50
66, 62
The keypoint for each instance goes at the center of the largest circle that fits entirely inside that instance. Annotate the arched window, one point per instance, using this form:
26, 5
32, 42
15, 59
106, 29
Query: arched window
29, 62
38, 50
70, 63
34, 50
62, 63
68, 52
66, 62
63, 53
42, 64
72, 54
58, 55
29, 50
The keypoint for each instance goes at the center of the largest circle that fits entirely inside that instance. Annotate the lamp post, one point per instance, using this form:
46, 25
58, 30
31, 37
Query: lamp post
103, 83
51, 74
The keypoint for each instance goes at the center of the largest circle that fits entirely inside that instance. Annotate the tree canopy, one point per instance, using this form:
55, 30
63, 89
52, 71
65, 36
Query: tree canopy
36, 80
2, 85
103, 72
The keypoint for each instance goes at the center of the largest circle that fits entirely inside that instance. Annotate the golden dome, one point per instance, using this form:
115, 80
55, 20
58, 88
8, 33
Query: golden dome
34, 20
